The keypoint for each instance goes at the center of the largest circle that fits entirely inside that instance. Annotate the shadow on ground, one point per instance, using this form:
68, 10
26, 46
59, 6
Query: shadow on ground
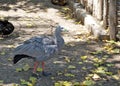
26, 5
66, 66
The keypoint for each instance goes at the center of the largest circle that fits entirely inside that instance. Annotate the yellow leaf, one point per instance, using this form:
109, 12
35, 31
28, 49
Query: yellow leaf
83, 57
29, 24
101, 70
18, 69
39, 69
2, 53
116, 77
110, 65
10, 46
33, 80
66, 83
88, 83
76, 84
59, 73
26, 67
52, 78
9, 59
96, 64
66, 8
108, 73
63, 83
95, 59
71, 67
84, 68
67, 59
80, 63
57, 84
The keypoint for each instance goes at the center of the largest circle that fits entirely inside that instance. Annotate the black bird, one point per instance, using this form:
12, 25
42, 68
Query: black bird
40, 48
59, 2
6, 28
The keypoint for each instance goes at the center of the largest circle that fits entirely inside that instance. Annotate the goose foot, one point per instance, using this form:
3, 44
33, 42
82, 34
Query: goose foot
46, 73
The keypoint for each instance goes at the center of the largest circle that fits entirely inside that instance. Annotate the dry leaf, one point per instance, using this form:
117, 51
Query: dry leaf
96, 77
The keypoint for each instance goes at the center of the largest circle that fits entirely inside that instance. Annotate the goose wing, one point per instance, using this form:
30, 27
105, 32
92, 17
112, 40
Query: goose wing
41, 48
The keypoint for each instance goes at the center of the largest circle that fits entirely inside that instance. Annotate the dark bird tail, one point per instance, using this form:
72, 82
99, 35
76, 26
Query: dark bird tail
19, 57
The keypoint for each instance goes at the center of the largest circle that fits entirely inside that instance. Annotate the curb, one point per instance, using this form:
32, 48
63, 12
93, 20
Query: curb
94, 27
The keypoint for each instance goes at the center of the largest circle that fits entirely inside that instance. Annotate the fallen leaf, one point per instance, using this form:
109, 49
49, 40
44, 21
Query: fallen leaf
76, 84
26, 83
96, 64
109, 73
9, 59
18, 69
88, 82
33, 80
95, 59
116, 51
63, 83
58, 62
67, 59
26, 67
116, 77
84, 68
101, 70
57, 84
10, 46
66, 83
29, 24
39, 69
96, 77
2, 53
71, 67
109, 65
80, 63
83, 57
52, 78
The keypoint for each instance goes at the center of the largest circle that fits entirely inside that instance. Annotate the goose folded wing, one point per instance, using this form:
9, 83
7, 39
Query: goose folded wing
35, 47
34, 39
45, 40
51, 49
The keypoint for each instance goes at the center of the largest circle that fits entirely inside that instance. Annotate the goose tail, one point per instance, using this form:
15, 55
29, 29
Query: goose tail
18, 58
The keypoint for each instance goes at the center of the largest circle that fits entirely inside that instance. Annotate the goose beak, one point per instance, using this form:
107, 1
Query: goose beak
64, 30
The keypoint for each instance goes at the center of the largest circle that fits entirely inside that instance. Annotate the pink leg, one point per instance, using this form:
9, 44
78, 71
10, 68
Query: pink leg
43, 66
35, 66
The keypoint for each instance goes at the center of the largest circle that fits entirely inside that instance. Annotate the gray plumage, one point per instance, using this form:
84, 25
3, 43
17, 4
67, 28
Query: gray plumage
40, 48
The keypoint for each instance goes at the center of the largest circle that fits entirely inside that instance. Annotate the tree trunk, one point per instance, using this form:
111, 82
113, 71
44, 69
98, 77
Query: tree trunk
105, 13
97, 9
112, 19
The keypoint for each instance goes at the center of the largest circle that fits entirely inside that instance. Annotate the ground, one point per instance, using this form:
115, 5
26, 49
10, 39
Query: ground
83, 60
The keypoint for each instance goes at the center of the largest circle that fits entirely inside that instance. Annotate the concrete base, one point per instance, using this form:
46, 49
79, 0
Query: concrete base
93, 26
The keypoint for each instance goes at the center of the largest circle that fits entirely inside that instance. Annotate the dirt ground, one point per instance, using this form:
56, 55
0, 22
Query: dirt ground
33, 18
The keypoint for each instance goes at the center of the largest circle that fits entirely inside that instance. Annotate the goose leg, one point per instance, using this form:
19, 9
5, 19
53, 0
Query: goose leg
35, 69
43, 72
35, 66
